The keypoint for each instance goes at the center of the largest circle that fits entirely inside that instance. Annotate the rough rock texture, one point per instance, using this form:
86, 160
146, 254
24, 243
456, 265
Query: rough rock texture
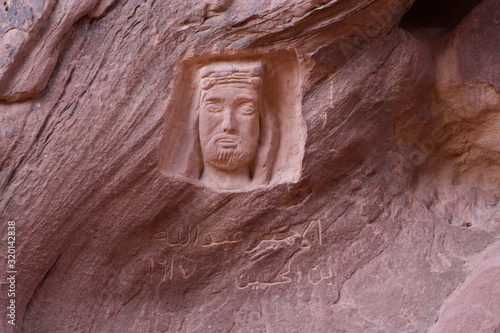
33, 34
392, 223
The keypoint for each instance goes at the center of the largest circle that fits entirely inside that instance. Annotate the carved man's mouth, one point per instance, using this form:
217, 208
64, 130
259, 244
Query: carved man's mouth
227, 142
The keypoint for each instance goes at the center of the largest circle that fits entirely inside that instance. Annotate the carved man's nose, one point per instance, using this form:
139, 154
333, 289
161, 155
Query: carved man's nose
228, 122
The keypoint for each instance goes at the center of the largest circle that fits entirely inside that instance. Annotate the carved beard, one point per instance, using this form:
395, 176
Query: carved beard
228, 159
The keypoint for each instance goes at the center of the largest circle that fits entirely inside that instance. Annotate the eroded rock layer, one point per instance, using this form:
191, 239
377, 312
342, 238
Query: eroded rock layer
251, 166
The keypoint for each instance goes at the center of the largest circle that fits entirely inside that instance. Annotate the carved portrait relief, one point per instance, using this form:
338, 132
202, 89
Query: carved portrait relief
231, 134
239, 134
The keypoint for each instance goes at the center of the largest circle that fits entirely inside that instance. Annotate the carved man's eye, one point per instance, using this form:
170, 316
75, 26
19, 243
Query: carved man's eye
213, 106
247, 108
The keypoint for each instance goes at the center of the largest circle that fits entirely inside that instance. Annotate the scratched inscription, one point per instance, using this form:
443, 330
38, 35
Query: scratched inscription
170, 267
297, 237
304, 234
293, 273
278, 243
192, 237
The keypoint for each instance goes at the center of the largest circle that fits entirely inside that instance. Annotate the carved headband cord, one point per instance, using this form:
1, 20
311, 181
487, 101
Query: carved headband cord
212, 75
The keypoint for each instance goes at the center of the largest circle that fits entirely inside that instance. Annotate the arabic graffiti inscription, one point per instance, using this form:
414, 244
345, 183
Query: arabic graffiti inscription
293, 274
191, 236
288, 238
169, 268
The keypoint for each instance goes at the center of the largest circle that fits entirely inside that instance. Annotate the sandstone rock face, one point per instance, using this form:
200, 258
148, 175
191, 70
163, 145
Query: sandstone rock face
250, 166
32, 39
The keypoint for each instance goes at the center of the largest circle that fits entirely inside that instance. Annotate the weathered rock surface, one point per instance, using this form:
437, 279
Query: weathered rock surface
32, 35
373, 132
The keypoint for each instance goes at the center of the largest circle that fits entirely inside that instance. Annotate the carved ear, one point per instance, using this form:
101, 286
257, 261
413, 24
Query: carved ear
268, 145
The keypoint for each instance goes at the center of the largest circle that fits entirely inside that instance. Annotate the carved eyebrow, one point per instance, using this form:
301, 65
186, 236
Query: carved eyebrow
213, 99
245, 98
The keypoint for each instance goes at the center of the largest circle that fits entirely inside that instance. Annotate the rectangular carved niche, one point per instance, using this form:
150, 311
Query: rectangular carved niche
234, 122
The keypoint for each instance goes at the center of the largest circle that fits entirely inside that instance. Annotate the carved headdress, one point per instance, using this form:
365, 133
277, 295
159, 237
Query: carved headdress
224, 73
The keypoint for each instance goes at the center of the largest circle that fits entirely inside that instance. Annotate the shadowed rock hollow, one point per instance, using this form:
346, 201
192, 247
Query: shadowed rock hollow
251, 166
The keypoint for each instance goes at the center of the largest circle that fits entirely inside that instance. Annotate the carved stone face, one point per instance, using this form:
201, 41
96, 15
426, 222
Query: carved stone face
229, 126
